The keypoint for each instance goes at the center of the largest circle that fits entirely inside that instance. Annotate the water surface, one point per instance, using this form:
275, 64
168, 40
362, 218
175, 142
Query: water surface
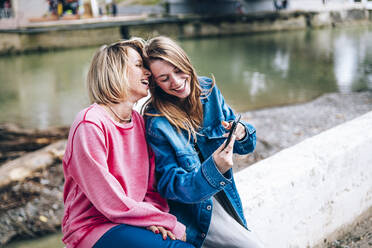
252, 71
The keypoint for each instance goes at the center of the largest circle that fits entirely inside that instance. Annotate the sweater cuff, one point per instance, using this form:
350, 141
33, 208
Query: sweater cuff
179, 230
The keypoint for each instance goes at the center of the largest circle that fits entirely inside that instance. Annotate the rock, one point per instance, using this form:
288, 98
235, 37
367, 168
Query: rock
31, 199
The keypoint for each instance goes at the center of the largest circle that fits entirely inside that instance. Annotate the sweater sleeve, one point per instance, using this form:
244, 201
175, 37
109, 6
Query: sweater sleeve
89, 169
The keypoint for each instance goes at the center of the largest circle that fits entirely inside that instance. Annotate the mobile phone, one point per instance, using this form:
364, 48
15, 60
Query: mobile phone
232, 130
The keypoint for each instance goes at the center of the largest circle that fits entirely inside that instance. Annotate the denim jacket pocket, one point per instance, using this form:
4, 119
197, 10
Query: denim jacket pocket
188, 160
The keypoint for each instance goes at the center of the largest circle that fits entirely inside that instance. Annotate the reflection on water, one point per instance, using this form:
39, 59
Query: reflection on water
252, 71
345, 62
273, 69
42, 90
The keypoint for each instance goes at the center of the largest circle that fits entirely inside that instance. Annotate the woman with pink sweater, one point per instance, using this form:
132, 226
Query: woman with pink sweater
109, 193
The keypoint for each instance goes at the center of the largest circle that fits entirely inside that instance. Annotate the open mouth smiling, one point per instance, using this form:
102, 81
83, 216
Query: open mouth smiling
145, 82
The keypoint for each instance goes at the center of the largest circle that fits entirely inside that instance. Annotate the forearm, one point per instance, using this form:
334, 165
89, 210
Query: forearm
195, 186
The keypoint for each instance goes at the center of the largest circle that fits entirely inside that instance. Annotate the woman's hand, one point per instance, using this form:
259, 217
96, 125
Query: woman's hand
223, 157
240, 129
164, 232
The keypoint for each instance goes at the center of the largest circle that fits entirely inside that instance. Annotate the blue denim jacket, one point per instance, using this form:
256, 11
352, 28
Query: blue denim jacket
187, 183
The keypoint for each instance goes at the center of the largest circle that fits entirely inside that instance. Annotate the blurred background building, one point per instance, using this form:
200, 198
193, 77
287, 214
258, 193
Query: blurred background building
15, 13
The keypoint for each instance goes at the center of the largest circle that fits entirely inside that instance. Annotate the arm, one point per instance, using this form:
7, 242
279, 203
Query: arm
178, 184
152, 196
88, 167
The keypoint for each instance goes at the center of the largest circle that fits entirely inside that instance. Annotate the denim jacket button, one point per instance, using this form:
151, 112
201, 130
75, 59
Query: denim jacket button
209, 207
203, 235
222, 183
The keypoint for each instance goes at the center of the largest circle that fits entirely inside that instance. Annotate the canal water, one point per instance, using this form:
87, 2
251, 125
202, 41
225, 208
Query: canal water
253, 72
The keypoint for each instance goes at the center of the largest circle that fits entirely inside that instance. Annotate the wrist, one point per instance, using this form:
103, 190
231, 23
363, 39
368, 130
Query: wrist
241, 137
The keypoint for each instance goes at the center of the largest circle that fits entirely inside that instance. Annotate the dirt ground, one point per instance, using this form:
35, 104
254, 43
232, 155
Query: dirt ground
359, 237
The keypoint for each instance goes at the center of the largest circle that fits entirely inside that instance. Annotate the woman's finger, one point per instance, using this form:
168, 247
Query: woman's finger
221, 147
226, 125
171, 235
229, 148
163, 232
153, 229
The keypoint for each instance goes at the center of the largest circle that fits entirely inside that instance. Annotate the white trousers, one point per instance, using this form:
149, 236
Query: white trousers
226, 232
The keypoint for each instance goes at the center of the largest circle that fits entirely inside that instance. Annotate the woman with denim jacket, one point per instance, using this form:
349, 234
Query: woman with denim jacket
186, 123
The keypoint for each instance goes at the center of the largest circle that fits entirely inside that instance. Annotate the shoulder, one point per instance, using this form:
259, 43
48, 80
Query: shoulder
206, 83
156, 121
209, 89
157, 125
138, 119
94, 113
87, 124
90, 116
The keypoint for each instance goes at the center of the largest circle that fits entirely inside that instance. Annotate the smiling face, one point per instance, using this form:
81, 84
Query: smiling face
170, 79
138, 76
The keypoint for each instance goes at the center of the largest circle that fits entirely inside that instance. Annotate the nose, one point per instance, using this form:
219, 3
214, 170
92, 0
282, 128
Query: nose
175, 79
147, 72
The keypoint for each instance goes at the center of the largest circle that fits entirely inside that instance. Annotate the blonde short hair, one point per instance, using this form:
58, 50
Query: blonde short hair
107, 79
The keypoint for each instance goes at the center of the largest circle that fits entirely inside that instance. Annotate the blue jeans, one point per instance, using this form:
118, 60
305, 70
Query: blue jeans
122, 236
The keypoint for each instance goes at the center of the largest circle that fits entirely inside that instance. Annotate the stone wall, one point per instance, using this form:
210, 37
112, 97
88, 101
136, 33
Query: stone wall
59, 39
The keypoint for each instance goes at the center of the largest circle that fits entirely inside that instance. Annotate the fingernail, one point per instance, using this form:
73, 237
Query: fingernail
156, 231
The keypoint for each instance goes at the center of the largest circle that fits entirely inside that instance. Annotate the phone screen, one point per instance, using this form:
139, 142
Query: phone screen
232, 130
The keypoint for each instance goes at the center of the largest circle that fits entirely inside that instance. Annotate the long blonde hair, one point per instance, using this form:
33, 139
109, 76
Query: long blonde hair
107, 80
189, 115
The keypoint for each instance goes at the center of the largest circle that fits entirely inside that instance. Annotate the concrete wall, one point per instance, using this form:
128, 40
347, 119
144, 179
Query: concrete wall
251, 6
25, 42
313, 190
202, 7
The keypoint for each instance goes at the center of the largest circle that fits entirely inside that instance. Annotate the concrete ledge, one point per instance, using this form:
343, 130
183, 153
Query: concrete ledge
303, 194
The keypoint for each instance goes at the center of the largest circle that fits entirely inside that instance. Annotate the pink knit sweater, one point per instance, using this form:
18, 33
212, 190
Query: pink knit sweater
109, 179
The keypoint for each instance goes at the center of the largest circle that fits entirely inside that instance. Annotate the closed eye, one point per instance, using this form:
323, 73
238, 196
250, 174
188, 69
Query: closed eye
163, 79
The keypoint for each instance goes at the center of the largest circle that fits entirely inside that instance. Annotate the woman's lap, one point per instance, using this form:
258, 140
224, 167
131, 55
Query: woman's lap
122, 236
